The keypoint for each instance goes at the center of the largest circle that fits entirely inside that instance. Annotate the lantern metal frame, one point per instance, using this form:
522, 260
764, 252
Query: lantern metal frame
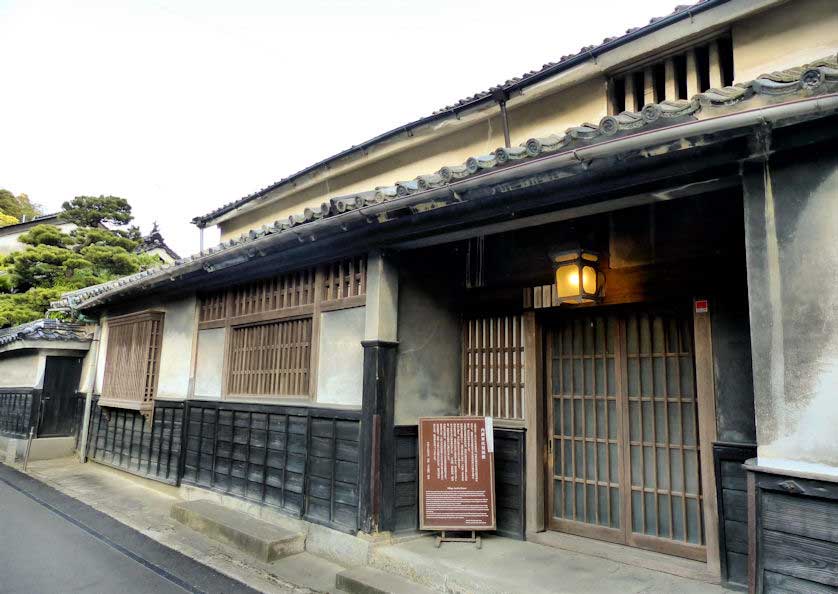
576, 257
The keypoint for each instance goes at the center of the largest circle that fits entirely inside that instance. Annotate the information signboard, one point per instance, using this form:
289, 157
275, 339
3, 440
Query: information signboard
456, 474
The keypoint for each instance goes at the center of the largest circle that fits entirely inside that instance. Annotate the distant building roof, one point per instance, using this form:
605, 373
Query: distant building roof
155, 241
47, 219
47, 330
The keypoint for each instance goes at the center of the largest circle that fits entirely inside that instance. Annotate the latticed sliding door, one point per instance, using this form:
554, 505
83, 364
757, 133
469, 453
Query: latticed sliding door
585, 428
624, 463
663, 458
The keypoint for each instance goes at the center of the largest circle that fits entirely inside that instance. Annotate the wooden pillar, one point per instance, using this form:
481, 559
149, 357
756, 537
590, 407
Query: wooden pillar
706, 392
648, 86
631, 102
534, 421
377, 459
671, 85
715, 66
377, 445
693, 81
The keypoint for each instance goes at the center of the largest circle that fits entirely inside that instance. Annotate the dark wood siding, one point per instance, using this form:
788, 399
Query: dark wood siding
796, 534
124, 439
16, 410
301, 460
406, 476
510, 482
731, 494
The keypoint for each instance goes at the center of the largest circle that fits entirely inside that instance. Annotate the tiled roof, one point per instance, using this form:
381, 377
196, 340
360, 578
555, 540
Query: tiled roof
817, 78
153, 241
504, 89
50, 330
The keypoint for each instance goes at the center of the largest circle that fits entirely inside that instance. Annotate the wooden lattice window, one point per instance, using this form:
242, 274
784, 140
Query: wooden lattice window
272, 326
261, 297
345, 278
132, 361
493, 368
272, 359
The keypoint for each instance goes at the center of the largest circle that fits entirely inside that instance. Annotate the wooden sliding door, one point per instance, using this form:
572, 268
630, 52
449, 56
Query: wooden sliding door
623, 430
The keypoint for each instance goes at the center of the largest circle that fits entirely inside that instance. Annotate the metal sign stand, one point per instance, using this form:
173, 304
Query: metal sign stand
477, 540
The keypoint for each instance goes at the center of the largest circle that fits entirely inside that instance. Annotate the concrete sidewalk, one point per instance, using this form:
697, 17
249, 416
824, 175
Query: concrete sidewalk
502, 566
507, 566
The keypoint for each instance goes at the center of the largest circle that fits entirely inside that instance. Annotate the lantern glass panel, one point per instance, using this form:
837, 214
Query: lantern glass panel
589, 280
567, 281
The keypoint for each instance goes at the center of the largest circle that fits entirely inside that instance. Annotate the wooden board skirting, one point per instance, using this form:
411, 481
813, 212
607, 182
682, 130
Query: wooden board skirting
303, 461
792, 533
18, 410
124, 439
731, 492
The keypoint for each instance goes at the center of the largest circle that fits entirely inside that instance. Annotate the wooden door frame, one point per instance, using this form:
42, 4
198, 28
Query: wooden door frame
537, 334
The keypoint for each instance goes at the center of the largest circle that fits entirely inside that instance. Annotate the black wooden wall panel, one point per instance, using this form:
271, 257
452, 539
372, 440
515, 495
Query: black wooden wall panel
301, 460
796, 534
731, 493
16, 410
124, 439
510, 482
406, 476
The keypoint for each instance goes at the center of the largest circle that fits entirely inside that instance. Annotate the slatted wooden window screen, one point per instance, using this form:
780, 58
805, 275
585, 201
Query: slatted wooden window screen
213, 307
290, 290
344, 279
272, 359
493, 368
281, 292
133, 358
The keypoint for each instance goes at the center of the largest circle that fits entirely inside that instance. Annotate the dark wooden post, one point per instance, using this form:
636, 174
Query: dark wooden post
377, 455
377, 438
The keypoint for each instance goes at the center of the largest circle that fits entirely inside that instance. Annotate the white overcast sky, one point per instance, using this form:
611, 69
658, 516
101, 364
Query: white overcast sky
183, 105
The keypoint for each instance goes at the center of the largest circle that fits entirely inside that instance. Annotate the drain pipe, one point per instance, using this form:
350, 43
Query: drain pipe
501, 96
88, 396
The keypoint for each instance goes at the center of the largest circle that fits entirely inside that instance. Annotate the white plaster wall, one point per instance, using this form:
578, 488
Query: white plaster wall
21, 371
176, 349
786, 36
341, 359
9, 243
209, 363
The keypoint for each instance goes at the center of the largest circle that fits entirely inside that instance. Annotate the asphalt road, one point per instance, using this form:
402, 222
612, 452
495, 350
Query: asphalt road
51, 543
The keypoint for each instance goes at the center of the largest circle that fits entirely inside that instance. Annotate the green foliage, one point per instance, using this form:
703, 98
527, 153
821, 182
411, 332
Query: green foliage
92, 211
17, 308
6, 219
46, 235
55, 262
17, 206
104, 237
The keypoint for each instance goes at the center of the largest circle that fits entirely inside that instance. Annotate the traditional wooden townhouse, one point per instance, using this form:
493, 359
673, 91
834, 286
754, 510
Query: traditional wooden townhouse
626, 258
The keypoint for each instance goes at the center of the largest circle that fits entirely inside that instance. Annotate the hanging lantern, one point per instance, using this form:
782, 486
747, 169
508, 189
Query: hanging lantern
578, 278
